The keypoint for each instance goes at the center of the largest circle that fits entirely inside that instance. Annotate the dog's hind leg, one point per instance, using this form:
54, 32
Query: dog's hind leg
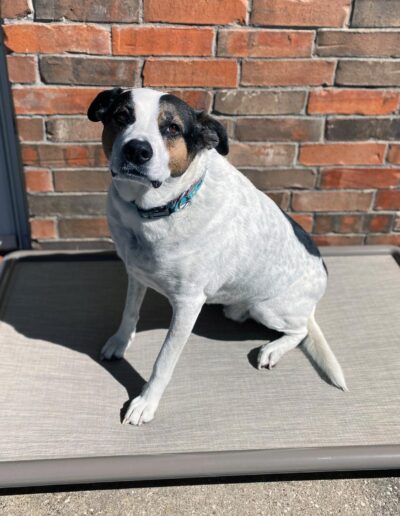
118, 343
274, 314
270, 353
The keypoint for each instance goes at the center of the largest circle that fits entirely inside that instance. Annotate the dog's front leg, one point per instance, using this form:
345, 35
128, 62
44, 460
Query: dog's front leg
118, 343
185, 312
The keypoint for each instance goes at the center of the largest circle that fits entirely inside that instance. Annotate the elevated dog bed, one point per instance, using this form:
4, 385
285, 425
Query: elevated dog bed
61, 407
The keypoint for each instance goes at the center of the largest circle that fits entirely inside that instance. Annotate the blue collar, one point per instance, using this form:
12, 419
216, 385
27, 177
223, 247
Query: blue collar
171, 207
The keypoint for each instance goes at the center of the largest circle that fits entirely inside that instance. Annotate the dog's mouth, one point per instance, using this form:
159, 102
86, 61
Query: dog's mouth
128, 172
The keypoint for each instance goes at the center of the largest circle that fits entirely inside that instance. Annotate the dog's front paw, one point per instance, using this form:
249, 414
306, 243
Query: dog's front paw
141, 410
115, 347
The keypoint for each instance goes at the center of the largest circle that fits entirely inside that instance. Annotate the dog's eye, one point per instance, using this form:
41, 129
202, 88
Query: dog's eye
173, 130
122, 117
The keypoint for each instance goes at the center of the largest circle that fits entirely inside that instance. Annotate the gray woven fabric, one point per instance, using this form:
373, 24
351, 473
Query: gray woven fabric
57, 399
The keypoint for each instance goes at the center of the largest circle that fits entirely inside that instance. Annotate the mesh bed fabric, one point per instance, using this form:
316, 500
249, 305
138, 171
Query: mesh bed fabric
58, 400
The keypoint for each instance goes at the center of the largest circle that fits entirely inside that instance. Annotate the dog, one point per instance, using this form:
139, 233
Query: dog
188, 224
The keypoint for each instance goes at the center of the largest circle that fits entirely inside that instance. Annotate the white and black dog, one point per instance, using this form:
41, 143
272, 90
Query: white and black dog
188, 224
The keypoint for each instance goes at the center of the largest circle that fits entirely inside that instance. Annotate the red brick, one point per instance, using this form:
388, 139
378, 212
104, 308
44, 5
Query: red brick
83, 228
73, 180
324, 224
38, 180
167, 41
349, 223
57, 38
387, 200
394, 154
296, 72
353, 102
200, 12
265, 43
305, 220
360, 178
338, 239
21, 69
391, 239
30, 129
57, 155
331, 201
53, 100
300, 13
213, 73
261, 154
338, 224
15, 8
43, 229
377, 223
342, 154
195, 98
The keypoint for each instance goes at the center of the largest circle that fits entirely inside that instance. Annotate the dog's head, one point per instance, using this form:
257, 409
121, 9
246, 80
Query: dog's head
150, 136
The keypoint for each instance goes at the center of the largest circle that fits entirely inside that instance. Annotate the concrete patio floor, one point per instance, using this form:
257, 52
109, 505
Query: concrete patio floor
238, 497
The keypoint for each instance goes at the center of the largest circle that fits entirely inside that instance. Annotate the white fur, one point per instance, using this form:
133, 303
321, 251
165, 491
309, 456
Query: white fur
145, 128
317, 347
230, 245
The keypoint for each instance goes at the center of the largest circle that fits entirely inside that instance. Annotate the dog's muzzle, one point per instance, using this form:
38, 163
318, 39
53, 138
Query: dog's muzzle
137, 152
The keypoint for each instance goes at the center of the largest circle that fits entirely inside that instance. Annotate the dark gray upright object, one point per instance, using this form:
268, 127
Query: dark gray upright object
14, 227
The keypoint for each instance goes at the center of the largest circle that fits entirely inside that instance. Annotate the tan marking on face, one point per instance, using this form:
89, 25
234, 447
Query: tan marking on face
179, 158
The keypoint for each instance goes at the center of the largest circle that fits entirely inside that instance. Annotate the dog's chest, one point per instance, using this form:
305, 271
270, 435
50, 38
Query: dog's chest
155, 259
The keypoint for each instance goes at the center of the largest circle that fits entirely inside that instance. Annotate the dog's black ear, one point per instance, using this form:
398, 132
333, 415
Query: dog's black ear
212, 133
100, 106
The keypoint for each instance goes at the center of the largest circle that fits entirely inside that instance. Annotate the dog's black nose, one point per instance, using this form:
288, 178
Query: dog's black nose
137, 151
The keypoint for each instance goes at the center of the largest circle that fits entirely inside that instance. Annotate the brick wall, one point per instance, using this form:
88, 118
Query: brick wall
309, 92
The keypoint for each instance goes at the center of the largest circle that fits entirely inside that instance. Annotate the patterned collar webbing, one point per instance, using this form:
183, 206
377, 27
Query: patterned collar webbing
173, 206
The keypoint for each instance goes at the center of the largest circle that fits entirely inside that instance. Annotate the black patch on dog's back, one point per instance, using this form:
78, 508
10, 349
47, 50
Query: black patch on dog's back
304, 238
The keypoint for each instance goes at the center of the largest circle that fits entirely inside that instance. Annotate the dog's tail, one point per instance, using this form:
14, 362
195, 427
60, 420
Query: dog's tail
318, 349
